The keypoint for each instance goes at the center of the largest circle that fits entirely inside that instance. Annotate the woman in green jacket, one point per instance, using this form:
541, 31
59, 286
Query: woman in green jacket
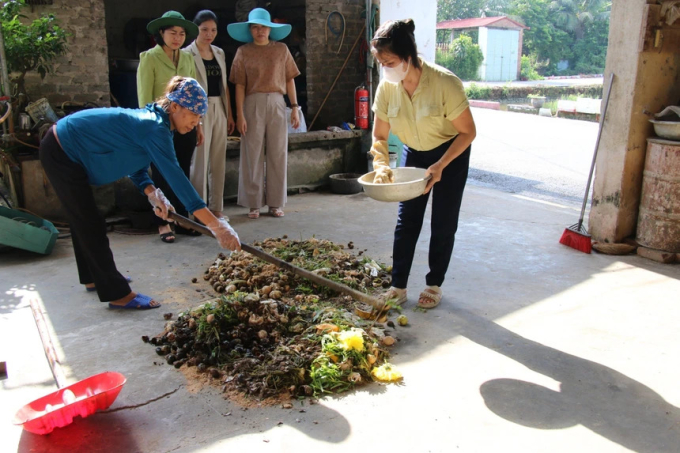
156, 67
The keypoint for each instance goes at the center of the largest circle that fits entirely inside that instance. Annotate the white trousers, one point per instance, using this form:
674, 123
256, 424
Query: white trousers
263, 168
208, 164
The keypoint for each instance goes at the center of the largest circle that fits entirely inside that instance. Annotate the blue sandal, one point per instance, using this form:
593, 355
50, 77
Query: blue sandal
140, 301
94, 288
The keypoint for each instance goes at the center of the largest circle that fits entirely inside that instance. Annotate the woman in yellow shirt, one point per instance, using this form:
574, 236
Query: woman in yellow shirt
425, 106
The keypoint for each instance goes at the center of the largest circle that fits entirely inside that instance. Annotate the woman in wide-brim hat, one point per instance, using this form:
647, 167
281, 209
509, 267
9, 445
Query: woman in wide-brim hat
156, 67
263, 71
240, 31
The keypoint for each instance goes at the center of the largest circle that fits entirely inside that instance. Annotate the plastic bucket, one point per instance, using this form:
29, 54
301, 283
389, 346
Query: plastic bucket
41, 109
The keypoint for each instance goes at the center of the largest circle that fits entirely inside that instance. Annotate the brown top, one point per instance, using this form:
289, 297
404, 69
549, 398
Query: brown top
263, 69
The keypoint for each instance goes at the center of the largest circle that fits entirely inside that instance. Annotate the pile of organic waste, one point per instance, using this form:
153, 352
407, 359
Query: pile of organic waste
271, 333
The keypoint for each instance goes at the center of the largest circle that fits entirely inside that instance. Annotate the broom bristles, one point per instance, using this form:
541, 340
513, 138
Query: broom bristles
577, 238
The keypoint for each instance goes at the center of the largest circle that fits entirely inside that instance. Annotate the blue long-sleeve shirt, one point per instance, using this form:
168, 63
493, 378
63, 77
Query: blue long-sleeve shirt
111, 143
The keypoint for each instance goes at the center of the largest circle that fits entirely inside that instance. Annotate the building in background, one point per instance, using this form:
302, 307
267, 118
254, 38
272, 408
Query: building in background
500, 40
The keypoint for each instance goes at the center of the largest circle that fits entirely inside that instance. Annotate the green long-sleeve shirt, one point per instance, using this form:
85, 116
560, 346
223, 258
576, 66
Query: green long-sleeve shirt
155, 71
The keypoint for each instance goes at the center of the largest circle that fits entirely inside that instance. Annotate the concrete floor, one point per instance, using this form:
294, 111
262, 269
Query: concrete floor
536, 347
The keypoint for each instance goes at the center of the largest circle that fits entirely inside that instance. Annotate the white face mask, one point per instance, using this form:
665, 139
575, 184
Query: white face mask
397, 74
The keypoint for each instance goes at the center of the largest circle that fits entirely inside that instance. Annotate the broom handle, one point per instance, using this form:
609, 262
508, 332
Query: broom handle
47, 344
597, 145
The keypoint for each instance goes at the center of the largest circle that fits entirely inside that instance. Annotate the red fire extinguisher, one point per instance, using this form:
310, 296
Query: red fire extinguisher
361, 107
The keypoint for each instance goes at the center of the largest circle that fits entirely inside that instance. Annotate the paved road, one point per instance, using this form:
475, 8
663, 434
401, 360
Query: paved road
538, 157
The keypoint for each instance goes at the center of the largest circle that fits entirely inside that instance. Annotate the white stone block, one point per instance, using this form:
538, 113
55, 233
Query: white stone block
585, 105
566, 106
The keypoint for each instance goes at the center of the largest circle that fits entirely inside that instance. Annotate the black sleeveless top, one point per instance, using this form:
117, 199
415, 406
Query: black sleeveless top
213, 74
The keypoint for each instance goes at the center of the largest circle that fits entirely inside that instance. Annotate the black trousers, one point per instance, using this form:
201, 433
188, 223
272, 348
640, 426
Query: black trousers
447, 195
185, 144
88, 226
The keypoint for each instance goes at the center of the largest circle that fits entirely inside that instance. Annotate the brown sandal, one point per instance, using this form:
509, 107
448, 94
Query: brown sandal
430, 297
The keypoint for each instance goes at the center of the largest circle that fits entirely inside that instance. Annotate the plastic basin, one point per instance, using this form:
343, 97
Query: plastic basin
409, 183
669, 130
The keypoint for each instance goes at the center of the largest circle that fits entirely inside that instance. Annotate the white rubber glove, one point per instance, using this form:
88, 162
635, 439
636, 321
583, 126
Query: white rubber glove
160, 204
225, 234
381, 163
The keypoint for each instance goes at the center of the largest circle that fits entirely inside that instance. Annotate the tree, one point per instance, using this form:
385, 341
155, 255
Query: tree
574, 16
465, 9
543, 40
587, 21
30, 47
463, 59
590, 53
564, 30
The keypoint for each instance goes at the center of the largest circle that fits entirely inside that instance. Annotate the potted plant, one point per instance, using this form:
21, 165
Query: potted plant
30, 46
537, 100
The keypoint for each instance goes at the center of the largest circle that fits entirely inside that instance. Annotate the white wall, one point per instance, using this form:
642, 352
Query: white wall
424, 15
483, 42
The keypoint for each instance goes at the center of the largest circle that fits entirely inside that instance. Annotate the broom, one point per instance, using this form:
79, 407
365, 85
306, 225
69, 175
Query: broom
576, 236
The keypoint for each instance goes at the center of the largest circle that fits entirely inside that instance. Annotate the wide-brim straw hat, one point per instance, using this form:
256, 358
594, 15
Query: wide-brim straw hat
240, 31
174, 19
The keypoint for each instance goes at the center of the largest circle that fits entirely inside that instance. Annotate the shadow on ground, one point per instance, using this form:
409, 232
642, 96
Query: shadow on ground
601, 399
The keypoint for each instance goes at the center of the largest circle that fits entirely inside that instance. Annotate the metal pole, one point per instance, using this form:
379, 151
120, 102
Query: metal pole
369, 58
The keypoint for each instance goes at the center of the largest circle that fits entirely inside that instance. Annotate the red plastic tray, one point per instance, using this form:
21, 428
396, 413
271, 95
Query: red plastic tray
51, 411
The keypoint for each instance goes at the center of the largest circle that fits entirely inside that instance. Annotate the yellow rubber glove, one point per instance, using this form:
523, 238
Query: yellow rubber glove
381, 163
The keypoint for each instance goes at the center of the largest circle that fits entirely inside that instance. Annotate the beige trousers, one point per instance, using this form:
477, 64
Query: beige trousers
208, 164
262, 178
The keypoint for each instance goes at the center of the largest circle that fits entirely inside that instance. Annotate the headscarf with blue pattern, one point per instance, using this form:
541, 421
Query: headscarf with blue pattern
190, 95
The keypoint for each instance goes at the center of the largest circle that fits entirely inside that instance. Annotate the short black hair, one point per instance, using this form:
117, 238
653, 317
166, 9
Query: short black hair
396, 37
204, 16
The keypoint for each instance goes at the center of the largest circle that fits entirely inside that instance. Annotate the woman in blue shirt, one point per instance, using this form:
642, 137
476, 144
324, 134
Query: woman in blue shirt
100, 146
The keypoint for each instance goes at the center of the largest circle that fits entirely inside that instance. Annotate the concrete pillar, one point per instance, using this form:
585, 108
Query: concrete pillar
645, 81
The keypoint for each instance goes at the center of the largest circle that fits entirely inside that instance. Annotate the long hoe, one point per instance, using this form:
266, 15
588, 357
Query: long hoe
576, 236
